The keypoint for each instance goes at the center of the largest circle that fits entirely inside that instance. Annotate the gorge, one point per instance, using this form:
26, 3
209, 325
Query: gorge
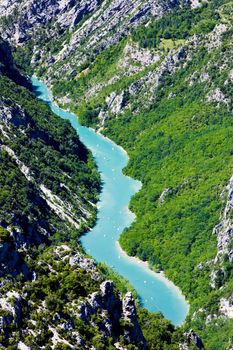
155, 292
156, 78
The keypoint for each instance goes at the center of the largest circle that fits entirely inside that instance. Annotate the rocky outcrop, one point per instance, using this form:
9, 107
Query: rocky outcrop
129, 314
12, 305
215, 38
113, 312
93, 35
224, 229
105, 300
88, 23
28, 17
151, 80
85, 263
218, 96
195, 3
143, 89
164, 194
226, 307
114, 105
195, 339
135, 59
184, 346
224, 232
12, 302
103, 312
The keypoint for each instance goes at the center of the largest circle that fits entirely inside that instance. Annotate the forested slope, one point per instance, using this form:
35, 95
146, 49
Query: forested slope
162, 88
49, 188
52, 295
165, 94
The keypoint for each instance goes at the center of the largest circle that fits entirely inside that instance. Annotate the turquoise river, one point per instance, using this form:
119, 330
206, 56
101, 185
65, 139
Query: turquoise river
155, 291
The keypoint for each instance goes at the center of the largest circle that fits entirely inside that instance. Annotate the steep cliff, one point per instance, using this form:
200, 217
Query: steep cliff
51, 294
49, 187
67, 304
55, 170
157, 78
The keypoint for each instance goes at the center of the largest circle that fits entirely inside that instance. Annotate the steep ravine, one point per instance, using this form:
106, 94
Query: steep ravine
162, 88
156, 292
52, 295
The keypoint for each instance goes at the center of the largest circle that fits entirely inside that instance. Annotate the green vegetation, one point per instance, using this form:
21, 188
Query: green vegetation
22, 58
182, 144
45, 289
156, 328
179, 142
52, 151
179, 24
87, 75
179, 146
169, 44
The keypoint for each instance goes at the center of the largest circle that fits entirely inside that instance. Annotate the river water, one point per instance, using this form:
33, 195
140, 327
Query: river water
156, 292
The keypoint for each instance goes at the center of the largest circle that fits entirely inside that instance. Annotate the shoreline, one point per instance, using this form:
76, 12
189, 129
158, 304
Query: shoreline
159, 275
138, 185
98, 131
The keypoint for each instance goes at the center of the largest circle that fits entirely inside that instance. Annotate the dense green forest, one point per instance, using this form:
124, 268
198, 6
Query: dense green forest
179, 143
52, 157
182, 144
41, 290
177, 129
180, 24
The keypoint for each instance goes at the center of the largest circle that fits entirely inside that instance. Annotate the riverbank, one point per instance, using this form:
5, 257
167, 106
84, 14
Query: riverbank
145, 265
156, 294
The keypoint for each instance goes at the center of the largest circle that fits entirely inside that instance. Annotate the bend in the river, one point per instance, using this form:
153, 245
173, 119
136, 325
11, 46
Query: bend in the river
156, 292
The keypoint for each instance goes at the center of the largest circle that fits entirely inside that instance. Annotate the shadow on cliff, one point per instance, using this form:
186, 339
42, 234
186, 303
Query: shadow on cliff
8, 68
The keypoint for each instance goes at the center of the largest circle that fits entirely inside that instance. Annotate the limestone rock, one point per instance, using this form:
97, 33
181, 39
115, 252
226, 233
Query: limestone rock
133, 334
226, 306
193, 337
224, 229
113, 310
217, 96
164, 194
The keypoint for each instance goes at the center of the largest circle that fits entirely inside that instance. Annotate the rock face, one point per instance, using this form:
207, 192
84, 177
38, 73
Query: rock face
86, 263
193, 337
11, 261
164, 194
53, 18
218, 96
130, 316
224, 232
226, 306
224, 229
144, 88
7, 66
30, 220
135, 59
103, 312
29, 16
113, 311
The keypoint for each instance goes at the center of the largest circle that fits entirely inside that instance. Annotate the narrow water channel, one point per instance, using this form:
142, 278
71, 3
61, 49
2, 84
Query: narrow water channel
156, 292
